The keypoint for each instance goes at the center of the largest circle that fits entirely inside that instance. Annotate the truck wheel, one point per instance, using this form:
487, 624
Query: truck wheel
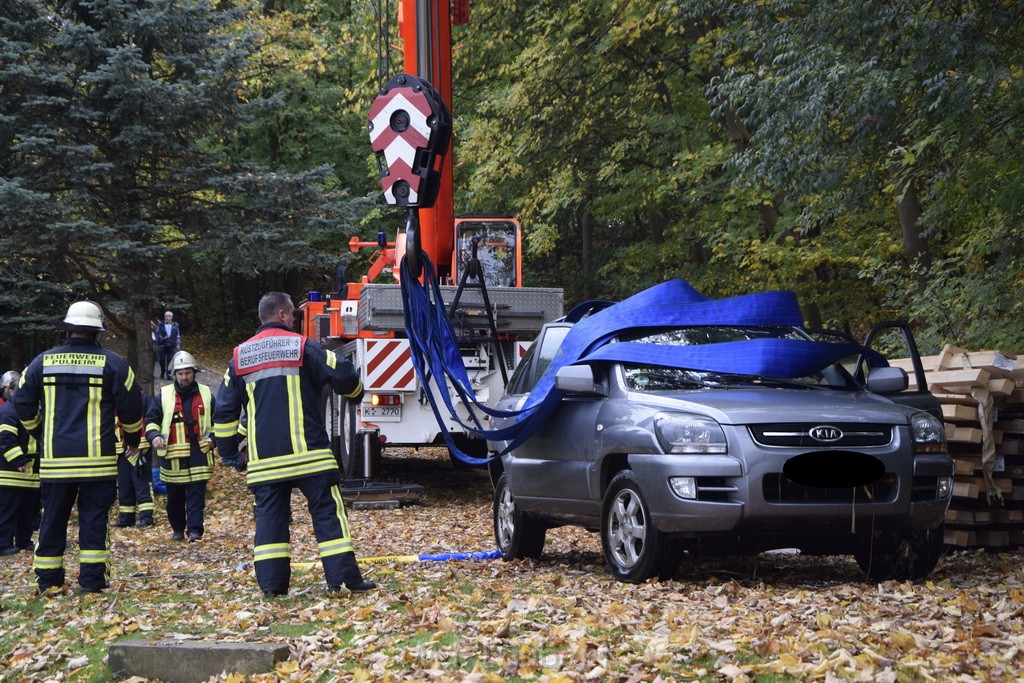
900, 555
633, 547
350, 459
517, 534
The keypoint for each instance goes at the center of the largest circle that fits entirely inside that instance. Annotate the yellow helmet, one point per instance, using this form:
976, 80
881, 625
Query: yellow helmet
183, 360
84, 316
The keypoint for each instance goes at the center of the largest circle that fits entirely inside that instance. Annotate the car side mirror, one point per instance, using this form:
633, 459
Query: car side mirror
888, 380
577, 379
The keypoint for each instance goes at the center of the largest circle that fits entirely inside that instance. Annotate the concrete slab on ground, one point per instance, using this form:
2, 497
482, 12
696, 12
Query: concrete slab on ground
189, 661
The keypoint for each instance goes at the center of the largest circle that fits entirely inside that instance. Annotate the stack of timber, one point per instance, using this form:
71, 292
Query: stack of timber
982, 397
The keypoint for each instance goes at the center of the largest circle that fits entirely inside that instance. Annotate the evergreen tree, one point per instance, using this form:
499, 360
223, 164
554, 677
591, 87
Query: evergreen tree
134, 175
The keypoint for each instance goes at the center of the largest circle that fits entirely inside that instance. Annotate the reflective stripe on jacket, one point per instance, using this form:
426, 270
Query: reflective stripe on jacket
15, 441
72, 393
279, 386
183, 461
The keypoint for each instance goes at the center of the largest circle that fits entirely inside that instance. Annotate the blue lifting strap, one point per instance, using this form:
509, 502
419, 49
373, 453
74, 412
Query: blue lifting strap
435, 351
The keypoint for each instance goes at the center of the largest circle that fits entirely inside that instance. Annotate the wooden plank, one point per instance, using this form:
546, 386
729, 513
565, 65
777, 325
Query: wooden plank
956, 381
1004, 484
968, 489
946, 358
1012, 447
965, 467
960, 413
961, 517
965, 435
1007, 516
1008, 426
1001, 387
958, 537
958, 399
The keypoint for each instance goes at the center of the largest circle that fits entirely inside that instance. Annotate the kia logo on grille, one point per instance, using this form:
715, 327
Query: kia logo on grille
826, 433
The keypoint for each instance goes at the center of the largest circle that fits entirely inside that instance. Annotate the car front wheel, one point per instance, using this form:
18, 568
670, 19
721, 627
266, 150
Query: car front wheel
633, 547
900, 555
517, 534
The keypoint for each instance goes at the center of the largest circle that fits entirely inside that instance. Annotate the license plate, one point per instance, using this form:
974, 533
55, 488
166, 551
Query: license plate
383, 413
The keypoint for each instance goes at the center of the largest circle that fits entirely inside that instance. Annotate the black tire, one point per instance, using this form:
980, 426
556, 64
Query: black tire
350, 453
900, 555
517, 535
328, 408
474, 448
633, 547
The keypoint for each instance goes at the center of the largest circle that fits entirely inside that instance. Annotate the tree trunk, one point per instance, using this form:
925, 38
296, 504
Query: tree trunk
914, 246
141, 346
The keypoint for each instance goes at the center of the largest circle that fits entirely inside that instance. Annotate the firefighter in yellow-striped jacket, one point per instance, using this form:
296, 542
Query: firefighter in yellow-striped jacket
72, 393
277, 378
180, 427
19, 476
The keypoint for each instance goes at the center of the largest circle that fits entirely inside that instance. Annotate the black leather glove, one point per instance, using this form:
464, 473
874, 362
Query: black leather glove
235, 461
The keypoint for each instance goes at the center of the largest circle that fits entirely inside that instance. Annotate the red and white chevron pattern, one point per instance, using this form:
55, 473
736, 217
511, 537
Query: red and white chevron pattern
400, 147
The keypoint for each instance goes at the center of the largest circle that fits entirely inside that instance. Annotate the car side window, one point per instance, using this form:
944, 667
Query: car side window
518, 381
537, 360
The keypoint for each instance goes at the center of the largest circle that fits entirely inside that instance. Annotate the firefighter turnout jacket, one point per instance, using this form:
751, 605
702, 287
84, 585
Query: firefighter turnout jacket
277, 377
71, 393
185, 420
19, 462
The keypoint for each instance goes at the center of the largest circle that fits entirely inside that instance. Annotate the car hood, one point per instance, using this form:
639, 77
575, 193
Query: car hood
759, 405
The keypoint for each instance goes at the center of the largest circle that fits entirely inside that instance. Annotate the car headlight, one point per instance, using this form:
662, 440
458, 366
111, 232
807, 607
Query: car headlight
681, 433
928, 433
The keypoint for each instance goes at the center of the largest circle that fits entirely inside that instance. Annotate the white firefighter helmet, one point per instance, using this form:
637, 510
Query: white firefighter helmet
10, 377
84, 316
183, 360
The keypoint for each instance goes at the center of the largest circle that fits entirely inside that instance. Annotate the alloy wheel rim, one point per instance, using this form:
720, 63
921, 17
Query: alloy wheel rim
628, 529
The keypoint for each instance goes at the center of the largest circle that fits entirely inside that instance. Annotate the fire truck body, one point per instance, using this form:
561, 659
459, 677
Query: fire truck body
367, 326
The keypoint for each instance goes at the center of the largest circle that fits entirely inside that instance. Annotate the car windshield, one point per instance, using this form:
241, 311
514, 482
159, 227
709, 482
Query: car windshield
642, 377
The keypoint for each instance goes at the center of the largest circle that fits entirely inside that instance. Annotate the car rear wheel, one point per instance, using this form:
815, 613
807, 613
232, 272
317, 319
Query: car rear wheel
900, 555
517, 534
633, 547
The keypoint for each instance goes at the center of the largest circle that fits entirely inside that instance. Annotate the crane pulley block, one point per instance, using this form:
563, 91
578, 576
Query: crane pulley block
410, 128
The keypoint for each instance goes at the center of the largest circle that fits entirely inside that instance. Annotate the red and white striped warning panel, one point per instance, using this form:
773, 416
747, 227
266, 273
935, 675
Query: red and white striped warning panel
388, 366
521, 349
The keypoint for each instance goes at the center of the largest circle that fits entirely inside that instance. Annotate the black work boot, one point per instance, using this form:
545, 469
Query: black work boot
353, 580
145, 519
125, 519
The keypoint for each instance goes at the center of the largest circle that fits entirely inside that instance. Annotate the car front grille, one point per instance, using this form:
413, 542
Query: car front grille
799, 434
778, 488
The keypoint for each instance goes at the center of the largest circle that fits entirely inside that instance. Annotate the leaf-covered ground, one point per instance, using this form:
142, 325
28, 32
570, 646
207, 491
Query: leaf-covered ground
774, 617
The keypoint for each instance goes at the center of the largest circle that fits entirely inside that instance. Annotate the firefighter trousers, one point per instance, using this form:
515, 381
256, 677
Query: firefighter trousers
94, 498
18, 510
134, 492
330, 525
186, 506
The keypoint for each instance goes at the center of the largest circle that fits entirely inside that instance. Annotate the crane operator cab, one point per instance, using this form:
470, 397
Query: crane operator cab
495, 245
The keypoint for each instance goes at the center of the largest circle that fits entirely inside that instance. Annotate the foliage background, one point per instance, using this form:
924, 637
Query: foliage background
865, 154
